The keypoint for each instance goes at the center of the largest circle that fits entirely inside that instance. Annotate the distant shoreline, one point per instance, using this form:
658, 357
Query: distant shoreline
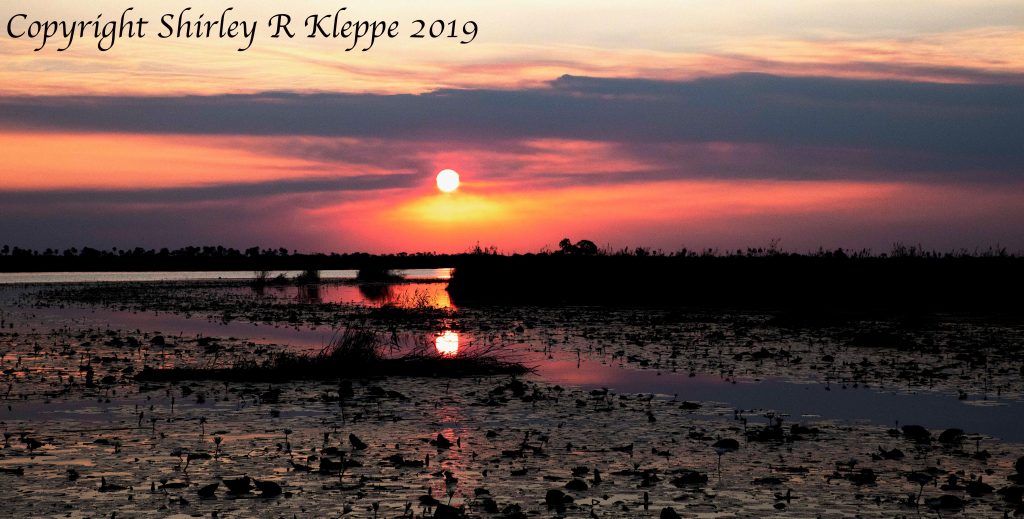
910, 282
219, 258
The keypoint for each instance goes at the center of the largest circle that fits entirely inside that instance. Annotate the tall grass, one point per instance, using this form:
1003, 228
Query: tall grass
308, 277
354, 346
262, 278
377, 273
355, 353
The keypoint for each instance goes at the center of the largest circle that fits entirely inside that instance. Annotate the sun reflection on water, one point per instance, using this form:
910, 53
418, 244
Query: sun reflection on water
447, 343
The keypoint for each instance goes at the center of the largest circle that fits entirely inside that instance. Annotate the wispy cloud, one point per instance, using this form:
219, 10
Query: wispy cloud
235, 191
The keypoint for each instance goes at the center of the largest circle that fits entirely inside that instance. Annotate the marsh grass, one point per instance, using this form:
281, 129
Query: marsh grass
262, 278
354, 353
415, 302
377, 274
308, 277
908, 281
416, 306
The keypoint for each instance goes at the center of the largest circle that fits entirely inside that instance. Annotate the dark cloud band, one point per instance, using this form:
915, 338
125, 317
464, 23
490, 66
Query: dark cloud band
985, 121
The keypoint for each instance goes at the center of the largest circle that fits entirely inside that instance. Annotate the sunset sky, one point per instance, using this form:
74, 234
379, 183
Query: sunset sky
666, 124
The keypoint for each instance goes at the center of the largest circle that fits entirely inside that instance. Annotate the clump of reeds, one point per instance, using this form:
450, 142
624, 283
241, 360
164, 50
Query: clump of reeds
353, 345
377, 274
353, 353
308, 277
263, 278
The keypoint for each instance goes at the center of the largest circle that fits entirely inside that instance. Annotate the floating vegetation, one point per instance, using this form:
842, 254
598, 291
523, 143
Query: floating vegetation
354, 353
144, 423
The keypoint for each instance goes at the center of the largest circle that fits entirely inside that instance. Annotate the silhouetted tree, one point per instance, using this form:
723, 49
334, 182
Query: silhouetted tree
566, 246
582, 247
586, 247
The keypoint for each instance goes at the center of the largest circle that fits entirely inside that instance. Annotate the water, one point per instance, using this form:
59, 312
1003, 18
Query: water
801, 401
133, 433
402, 294
849, 404
8, 278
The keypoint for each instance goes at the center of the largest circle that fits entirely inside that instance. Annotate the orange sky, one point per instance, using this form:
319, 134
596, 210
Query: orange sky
860, 144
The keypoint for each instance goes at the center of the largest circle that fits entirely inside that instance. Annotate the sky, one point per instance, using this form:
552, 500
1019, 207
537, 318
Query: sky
662, 124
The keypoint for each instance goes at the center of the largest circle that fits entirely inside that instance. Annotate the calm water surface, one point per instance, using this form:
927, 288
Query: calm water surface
801, 401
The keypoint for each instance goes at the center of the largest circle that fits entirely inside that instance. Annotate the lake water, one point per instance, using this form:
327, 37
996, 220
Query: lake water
8, 278
801, 401
741, 369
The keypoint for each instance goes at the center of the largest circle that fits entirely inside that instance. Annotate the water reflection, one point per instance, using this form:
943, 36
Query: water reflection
309, 294
417, 296
447, 343
558, 366
403, 295
379, 293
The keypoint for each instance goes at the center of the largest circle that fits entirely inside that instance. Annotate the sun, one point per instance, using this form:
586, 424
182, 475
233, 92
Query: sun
447, 181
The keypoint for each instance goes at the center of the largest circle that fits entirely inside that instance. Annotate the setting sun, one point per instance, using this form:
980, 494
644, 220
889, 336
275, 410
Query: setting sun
447, 180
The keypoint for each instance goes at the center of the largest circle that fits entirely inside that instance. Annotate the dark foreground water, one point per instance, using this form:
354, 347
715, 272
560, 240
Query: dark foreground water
986, 414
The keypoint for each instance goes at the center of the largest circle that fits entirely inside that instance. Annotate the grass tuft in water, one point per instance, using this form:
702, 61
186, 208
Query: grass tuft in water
354, 353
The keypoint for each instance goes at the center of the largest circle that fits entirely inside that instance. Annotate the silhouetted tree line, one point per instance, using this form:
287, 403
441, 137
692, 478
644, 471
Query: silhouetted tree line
17, 259
904, 280
907, 280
